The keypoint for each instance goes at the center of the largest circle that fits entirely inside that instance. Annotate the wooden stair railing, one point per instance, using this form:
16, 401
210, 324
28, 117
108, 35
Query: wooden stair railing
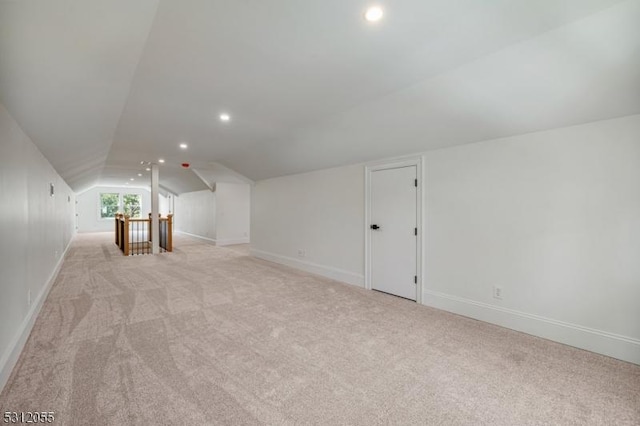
122, 233
133, 236
165, 225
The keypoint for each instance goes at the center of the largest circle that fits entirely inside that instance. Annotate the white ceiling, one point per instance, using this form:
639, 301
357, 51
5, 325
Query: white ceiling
102, 85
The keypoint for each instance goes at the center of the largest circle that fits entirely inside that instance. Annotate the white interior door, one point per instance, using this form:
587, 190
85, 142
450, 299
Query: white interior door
393, 230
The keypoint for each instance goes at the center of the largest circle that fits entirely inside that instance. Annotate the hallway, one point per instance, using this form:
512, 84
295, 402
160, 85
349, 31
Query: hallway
208, 335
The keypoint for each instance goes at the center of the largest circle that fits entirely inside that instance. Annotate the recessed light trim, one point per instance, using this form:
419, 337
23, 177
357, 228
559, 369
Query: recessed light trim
374, 14
132, 179
161, 160
183, 145
139, 174
148, 169
225, 117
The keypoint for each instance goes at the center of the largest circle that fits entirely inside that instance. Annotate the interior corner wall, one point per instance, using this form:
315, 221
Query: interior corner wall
312, 221
233, 201
88, 207
195, 214
552, 217
36, 228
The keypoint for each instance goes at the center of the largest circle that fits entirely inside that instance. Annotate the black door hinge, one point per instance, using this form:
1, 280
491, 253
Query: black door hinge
415, 231
415, 183
415, 279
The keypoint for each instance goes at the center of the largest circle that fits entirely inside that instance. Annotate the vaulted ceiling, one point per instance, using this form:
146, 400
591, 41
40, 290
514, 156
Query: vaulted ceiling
100, 86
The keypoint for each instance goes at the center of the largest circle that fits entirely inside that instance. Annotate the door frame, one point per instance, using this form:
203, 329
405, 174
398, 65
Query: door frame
416, 161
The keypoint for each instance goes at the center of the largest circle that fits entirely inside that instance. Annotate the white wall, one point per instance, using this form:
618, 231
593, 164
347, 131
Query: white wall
320, 214
88, 207
165, 204
195, 214
222, 217
36, 229
552, 217
233, 212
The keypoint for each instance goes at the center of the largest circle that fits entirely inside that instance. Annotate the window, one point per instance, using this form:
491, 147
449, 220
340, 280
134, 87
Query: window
109, 204
131, 204
113, 202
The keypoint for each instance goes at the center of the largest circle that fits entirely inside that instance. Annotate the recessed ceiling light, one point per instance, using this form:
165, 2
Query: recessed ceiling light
148, 169
183, 145
132, 179
225, 117
139, 174
126, 183
142, 162
161, 160
374, 14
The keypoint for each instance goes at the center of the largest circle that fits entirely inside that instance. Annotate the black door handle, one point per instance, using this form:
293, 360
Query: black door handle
374, 226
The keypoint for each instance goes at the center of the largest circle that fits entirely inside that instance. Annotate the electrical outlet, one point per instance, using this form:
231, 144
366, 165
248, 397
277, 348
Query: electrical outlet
302, 253
497, 292
29, 297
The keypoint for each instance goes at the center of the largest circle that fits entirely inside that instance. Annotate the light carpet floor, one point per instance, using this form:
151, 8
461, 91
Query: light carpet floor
208, 335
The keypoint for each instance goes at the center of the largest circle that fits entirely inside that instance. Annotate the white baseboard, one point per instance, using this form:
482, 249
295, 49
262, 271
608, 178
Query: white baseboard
231, 241
314, 268
12, 354
602, 342
200, 237
218, 242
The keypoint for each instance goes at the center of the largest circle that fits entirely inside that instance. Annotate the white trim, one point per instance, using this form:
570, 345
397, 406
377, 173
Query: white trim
314, 268
418, 162
10, 358
232, 241
209, 240
218, 242
602, 342
154, 223
232, 172
197, 173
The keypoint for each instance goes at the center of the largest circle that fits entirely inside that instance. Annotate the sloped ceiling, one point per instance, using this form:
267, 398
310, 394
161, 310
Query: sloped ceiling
100, 86
65, 71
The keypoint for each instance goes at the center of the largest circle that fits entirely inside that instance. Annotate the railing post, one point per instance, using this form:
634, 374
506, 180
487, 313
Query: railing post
117, 235
121, 233
126, 235
169, 233
149, 233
